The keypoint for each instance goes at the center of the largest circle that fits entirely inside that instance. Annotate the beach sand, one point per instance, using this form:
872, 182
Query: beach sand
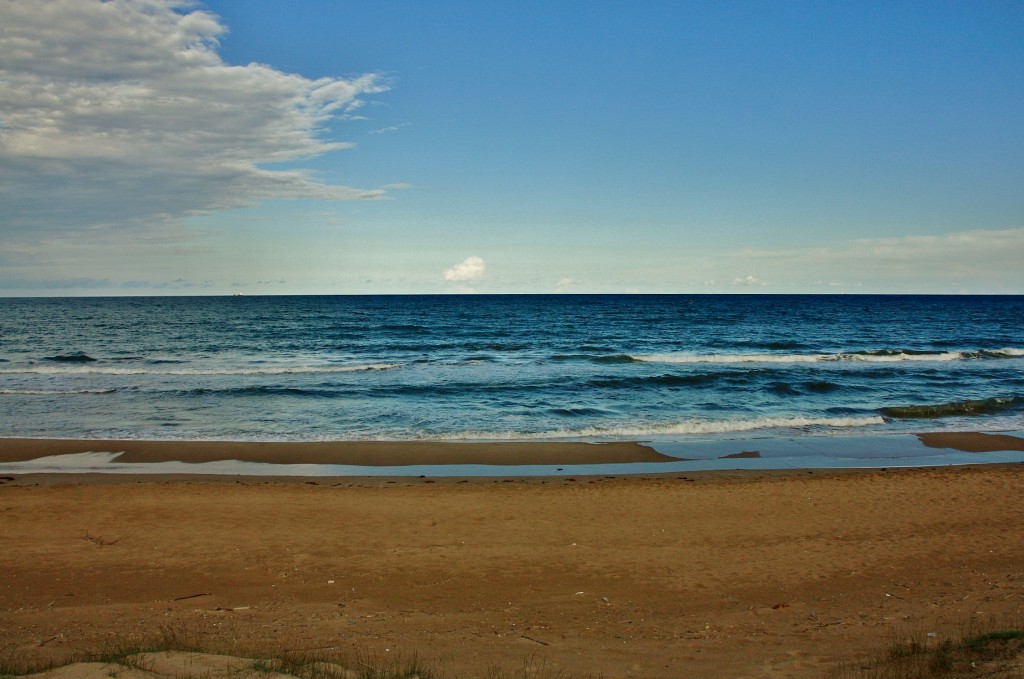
361, 453
726, 574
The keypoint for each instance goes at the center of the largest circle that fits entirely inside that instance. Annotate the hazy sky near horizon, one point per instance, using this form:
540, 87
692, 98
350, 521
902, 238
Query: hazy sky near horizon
263, 147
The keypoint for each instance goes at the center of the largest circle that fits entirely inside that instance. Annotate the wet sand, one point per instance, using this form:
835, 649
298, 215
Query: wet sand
972, 442
360, 453
702, 575
505, 454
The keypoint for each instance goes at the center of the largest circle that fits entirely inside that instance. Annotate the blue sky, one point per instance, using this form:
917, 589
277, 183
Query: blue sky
264, 147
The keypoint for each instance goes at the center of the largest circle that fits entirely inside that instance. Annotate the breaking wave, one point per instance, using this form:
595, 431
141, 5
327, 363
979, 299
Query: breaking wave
688, 427
110, 370
878, 356
54, 392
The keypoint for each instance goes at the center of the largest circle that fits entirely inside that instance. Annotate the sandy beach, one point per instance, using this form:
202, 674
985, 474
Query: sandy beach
704, 575
371, 453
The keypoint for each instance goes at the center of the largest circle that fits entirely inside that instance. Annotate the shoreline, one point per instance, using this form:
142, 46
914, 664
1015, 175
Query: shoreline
500, 459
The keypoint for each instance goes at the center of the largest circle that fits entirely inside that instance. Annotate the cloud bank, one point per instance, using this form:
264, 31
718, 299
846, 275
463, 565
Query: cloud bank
981, 260
967, 251
122, 114
470, 269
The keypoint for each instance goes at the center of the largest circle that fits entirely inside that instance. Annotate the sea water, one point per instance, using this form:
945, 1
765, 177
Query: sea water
468, 367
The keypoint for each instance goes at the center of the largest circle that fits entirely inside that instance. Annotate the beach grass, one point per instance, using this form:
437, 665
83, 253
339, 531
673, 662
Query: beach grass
139, 653
119, 650
994, 654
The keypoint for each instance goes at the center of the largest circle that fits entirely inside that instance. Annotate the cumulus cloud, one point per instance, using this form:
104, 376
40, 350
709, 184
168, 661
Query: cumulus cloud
470, 269
121, 113
748, 280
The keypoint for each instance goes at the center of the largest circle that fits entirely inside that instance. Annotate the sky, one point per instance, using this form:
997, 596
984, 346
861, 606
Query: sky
162, 147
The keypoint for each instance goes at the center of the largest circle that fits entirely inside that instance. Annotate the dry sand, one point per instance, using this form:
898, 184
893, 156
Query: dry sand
701, 575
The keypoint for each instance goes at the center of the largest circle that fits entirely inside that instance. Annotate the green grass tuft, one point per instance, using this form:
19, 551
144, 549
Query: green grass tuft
1001, 635
997, 653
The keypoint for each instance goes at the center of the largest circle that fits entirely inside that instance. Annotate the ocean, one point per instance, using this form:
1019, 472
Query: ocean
480, 367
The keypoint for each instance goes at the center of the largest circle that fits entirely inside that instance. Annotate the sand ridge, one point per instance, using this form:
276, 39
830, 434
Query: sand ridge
971, 441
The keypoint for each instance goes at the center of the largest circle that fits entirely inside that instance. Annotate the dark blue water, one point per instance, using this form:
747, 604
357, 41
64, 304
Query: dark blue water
595, 367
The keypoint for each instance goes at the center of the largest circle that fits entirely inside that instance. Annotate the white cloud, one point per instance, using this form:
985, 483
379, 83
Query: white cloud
390, 128
981, 248
470, 269
748, 280
979, 260
121, 114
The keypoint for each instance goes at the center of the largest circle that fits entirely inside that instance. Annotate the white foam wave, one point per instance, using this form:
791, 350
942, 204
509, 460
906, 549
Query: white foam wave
684, 428
813, 358
269, 370
54, 392
895, 358
1007, 351
730, 358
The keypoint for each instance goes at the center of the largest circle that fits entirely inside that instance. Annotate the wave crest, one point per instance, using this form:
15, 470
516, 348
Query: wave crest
986, 406
109, 370
53, 392
684, 428
75, 357
873, 356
